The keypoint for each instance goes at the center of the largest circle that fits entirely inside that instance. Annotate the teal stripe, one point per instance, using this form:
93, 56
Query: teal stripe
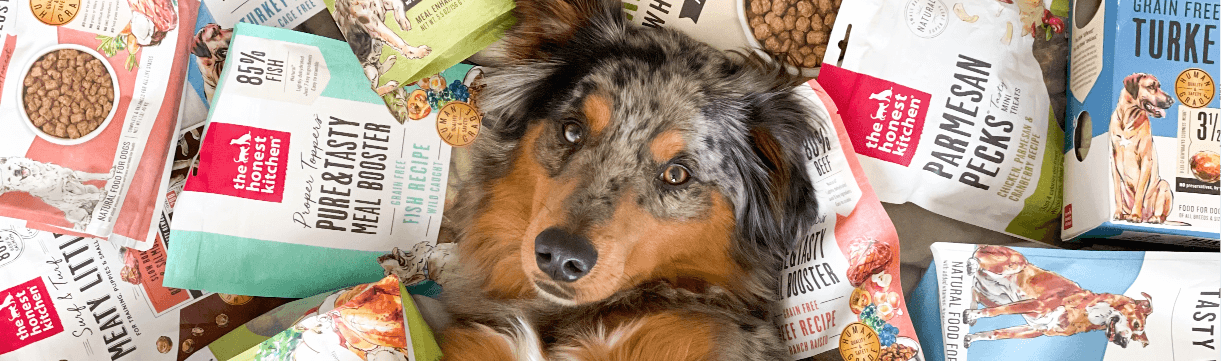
348, 80
247, 266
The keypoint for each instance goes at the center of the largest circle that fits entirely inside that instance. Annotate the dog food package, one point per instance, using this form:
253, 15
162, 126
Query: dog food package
964, 125
213, 29
88, 105
304, 178
840, 288
72, 298
996, 303
1142, 160
796, 31
401, 42
373, 321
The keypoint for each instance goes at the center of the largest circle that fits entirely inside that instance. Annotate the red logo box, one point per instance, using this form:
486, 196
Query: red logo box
242, 161
884, 119
27, 315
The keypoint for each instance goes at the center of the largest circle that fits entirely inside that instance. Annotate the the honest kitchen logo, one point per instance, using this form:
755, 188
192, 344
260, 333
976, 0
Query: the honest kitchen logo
243, 161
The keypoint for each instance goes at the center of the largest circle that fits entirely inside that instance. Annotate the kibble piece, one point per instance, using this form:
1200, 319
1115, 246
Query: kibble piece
803, 24
805, 8
779, 7
762, 31
829, 21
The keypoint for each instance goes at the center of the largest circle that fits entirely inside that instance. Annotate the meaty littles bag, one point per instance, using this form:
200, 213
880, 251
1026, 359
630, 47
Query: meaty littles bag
304, 177
980, 302
840, 286
72, 298
88, 100
962, 126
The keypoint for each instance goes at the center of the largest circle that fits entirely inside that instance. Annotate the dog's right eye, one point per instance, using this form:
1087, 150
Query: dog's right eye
573, 133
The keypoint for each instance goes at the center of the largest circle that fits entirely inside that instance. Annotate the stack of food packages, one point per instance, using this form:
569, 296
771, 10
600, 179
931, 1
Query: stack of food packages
970, 126
86, 280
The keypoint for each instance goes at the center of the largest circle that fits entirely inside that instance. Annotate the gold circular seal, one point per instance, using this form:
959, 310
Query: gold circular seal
1195, 88
458, 124
858, 342
55, 12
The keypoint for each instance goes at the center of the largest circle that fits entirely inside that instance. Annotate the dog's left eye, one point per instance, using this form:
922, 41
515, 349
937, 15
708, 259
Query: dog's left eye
675, 175
573, 132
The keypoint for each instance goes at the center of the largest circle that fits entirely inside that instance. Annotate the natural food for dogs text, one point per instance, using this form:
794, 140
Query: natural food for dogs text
796, 30
68, 93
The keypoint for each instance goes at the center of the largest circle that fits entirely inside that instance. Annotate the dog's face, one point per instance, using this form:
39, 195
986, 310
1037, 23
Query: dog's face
1147, 92
210, 48
1124, 319
13, 171
619, 155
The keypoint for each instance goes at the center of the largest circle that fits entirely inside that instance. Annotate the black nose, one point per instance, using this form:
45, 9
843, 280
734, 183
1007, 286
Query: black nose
564, 256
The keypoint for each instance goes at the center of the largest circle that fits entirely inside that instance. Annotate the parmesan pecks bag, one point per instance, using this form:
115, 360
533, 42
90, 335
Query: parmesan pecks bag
995, 303
840, 287
304, 177
949, 108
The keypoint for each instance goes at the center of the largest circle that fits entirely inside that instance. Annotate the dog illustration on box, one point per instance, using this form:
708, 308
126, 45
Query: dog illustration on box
1006, 284
1141, 195
60, 187
363, 24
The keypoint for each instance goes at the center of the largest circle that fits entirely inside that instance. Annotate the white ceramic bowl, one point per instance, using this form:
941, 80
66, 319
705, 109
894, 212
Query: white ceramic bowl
913, 344
758, 48
114, 82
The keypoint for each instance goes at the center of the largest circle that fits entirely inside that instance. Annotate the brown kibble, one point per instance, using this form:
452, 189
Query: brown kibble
760, 7
755, 21
805, 9
799, 39
817, 37
829, 21
803, 24
771, 45
790, 21
816, 22
63, 93
762, 31
782, 37
819, 51
779, 7
824, 6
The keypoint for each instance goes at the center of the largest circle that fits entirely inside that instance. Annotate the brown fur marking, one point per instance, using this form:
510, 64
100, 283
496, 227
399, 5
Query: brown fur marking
667, 145
474, 344
597, 110
670, 336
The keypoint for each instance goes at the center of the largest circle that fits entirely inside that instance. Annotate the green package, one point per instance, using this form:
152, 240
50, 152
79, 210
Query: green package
408, 40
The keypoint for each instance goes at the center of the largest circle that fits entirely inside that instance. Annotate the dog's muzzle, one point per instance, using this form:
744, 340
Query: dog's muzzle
564, 256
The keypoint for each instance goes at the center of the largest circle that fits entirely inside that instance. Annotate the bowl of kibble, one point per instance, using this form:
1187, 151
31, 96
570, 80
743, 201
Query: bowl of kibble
795, 31
68, 94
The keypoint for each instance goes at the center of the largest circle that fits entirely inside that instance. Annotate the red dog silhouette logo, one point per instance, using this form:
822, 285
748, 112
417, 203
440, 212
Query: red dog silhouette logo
242, 161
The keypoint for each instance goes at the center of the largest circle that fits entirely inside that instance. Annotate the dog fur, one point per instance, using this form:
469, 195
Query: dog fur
1141, 195
683, 271
56, 185
1006, 284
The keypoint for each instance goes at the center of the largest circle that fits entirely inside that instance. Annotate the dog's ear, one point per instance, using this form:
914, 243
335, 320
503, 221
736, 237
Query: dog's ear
1131, 83
1145, 306
781, 207
544, 24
